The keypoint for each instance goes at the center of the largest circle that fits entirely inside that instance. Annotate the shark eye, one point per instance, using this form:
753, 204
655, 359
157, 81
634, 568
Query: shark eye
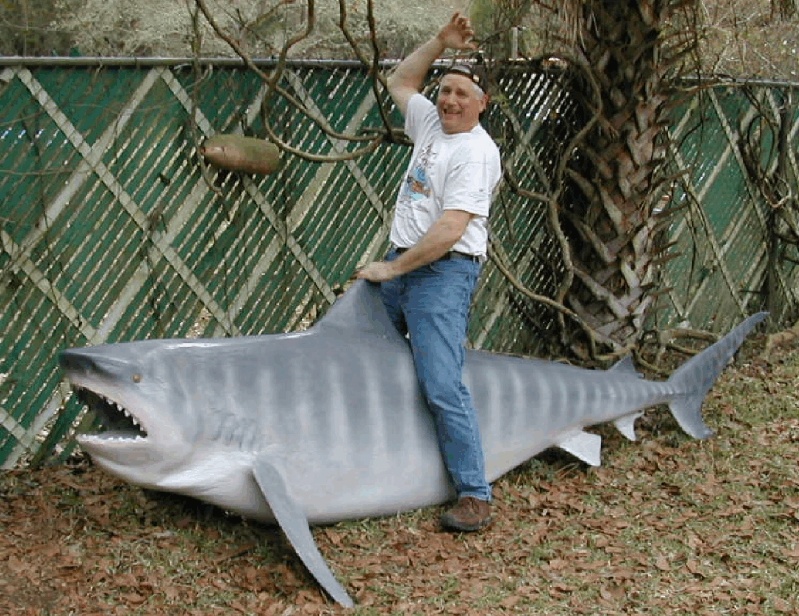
137, 378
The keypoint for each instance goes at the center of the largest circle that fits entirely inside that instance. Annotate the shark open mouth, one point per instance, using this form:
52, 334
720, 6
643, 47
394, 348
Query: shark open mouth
114, 422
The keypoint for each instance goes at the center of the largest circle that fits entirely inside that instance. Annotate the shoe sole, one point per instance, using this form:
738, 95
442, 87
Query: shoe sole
453, 526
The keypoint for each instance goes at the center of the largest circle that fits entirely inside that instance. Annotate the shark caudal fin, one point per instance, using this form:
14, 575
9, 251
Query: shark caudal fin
696, 376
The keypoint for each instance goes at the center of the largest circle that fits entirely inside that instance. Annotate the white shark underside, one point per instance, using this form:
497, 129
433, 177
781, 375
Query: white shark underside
329, 424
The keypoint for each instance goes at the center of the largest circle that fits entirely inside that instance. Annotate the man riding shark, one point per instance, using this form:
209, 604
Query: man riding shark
329, 424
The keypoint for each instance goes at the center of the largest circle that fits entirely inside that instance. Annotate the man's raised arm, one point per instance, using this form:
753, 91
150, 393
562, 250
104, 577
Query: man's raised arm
408, 78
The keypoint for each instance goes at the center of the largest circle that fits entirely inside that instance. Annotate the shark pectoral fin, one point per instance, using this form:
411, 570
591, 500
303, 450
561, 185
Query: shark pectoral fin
292, 521
583, 445
626, 425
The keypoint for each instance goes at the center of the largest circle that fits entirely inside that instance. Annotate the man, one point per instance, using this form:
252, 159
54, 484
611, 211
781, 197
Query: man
439, 238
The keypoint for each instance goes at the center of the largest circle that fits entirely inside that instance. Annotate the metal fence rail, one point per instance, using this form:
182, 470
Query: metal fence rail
109, 232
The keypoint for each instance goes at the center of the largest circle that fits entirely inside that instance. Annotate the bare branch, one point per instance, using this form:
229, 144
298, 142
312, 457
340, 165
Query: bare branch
195, 131
272, 81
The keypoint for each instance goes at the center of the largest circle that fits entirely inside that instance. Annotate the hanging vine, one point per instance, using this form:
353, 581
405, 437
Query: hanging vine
372, 139
604, 197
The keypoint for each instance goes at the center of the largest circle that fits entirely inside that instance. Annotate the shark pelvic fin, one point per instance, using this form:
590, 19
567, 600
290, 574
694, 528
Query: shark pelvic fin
583, 445
291, 518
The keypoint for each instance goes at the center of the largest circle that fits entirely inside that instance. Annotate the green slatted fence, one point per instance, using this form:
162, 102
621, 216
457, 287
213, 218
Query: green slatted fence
110, 232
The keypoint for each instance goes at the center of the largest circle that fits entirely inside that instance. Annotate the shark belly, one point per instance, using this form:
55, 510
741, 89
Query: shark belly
350, 442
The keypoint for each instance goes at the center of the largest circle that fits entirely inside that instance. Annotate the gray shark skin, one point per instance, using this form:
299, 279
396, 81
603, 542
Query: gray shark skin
329, 424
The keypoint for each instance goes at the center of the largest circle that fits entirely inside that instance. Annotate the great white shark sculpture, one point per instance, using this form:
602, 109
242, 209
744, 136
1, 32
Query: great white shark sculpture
329, 424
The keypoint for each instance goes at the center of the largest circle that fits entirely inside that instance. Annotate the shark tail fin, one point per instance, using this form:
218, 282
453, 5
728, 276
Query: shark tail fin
695, 377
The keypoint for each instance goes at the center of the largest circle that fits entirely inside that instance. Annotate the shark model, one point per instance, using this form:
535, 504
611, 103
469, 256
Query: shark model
329, 424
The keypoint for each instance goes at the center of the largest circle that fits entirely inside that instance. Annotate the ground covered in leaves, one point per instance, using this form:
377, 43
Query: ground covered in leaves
667, 525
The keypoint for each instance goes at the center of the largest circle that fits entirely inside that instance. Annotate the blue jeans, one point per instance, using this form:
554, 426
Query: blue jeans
431, 305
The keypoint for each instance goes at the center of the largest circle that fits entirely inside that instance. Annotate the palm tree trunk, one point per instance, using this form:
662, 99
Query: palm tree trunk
626, 60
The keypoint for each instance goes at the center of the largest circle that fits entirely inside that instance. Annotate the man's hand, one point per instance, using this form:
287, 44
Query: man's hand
440, 238
379, 271
458, 33
407, 79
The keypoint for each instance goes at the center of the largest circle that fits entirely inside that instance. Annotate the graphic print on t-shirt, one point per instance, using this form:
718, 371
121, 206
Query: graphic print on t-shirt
417, 184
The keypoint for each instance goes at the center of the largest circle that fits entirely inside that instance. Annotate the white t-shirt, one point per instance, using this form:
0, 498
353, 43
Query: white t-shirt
446, 172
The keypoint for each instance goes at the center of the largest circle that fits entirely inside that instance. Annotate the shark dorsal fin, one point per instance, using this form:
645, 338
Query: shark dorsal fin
360, 310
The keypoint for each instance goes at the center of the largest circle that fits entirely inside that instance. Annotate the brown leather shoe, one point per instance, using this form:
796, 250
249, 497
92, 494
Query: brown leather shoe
469, 514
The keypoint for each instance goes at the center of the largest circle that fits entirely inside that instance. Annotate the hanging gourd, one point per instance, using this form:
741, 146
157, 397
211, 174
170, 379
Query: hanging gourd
240, 153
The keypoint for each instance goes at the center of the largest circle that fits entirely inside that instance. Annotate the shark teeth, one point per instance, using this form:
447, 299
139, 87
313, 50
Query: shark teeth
106, 437
116, 422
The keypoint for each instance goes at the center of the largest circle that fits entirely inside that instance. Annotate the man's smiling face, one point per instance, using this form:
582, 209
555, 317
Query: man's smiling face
460, 103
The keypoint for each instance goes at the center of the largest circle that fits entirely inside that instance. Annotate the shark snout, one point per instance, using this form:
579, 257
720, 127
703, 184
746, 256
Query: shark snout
77, 360
92, 362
